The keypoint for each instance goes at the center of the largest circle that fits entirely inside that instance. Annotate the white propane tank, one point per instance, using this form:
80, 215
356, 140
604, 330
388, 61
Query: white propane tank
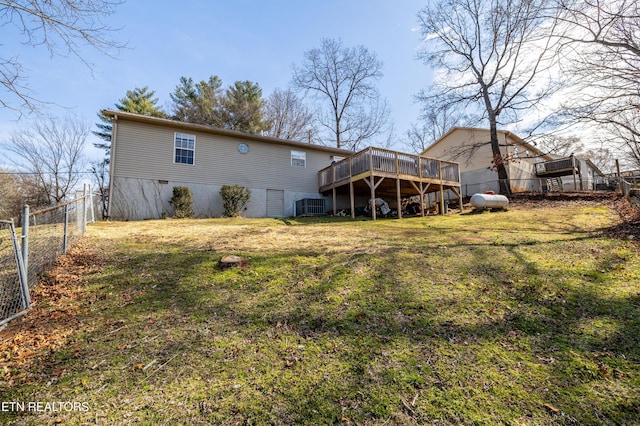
489, 201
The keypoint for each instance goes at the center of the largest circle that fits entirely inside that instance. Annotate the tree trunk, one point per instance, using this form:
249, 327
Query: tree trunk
503, 177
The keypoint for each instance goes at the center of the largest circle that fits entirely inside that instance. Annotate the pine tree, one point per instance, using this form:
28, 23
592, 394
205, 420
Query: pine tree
244, 108
198, 103
137, 101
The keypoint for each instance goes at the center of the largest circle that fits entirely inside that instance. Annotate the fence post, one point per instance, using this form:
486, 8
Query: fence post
619, 176
64, 235
92, 215
84, 209
24, 284
25, 239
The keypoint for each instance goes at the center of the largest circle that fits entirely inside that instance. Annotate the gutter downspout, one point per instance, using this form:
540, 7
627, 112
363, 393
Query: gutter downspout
112, 156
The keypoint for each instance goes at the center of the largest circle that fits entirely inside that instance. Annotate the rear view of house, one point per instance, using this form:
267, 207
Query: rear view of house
149, 156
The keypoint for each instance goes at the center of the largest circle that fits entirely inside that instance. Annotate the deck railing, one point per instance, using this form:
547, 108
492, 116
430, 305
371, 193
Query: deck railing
384, 161
555, 165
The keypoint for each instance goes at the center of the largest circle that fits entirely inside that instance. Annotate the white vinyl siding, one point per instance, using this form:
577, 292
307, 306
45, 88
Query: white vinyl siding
142, 152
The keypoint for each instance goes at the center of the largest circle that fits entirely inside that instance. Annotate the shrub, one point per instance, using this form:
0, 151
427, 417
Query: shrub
234, 198
182, 202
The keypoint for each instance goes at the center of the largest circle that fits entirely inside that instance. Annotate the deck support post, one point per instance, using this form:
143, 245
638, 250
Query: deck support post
459, 194
422, 200
441, 189
333, 180
421, 191
373, 185
399, 198
373, 199
351, 198
334, 200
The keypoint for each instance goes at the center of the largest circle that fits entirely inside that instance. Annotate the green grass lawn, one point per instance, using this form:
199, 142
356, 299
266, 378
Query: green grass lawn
525, 317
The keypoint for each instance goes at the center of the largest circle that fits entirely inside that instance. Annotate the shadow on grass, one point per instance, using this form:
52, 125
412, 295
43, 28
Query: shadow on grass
470, 332
396, 325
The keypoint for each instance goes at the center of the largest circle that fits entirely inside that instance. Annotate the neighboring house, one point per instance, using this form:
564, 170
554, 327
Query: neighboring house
149, 156
528, 168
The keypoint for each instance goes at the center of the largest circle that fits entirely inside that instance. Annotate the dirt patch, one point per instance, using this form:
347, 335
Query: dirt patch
536, 199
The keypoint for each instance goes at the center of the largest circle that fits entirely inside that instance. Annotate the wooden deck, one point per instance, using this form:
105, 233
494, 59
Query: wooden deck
557, 168
382, 173
568, 166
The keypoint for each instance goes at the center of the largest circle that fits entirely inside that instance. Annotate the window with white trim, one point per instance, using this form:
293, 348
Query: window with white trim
298, 158
185, 148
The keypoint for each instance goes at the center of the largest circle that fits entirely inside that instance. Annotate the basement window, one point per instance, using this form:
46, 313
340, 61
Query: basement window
298, 158
185, 147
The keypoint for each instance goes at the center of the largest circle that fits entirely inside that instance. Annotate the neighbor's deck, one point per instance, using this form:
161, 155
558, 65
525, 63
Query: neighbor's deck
385, 173
558, 168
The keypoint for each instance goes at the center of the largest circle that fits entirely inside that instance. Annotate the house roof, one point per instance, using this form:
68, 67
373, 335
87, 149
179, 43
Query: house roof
591, 164
183, 125
536, 151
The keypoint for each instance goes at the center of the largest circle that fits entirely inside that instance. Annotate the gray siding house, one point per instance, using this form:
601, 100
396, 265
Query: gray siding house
149, 156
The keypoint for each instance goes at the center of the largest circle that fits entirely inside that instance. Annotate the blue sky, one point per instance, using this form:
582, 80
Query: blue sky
236, 40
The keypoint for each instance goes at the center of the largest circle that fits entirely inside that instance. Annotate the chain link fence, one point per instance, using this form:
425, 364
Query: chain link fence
630, 185
14, 297
540, 185
45, 235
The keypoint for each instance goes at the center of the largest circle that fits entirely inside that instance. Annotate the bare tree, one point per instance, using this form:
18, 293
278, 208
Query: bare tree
603, 43
101, 178
8, 193
16, 190
52, 153
62, 27
602, 157
419, 138
436, 122
343, 80
289, 117
493, 56
562, 146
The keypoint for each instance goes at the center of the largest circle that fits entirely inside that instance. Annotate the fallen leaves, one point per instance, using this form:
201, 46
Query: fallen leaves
627, 209
48, 328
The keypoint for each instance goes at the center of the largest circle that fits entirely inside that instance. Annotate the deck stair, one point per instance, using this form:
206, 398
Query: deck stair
554, 184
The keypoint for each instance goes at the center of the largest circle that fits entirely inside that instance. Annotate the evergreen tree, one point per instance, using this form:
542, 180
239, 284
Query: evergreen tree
240, 107
137, 101
198, 103
244, 108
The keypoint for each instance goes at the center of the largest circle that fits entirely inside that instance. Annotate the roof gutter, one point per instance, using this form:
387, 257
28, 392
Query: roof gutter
221, 132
